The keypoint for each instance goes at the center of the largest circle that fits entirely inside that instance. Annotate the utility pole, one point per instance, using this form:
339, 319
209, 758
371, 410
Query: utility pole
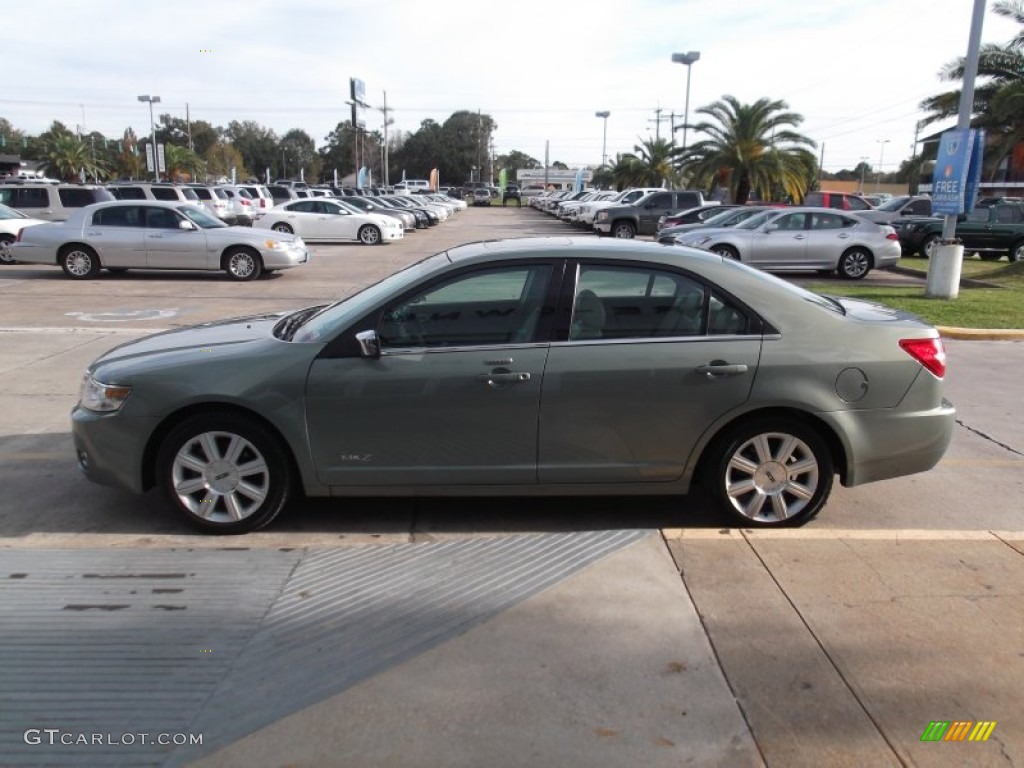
657, 122
387, 122
912, 188
188, 127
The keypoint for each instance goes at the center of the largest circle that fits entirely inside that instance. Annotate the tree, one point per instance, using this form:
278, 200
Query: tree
182, 163
175, 130
68, 158
656, 162
515, 160
128, 162
221, 158
999, 99
298, 151
11, 139
751, 148
338, 151
256, 144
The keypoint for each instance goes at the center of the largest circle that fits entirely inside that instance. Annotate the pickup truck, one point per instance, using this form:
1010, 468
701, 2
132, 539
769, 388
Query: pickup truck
992, 231
642, 216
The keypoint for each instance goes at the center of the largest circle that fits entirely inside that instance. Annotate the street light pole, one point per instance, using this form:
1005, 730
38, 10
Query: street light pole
688, 59
863, 168
604, 140
881, 157
152, 132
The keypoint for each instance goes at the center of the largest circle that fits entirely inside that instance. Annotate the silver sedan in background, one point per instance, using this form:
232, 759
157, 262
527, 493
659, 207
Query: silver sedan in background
801, 239
152, 234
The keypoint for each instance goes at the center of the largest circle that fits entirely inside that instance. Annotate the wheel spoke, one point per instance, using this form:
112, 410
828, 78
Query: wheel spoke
799, 490
231, 502
190, 486
753, 509
740, 488
742, 464
191, 462
802, 466
253, 492
235, 448
764, 451
779, 506
209, 446
254, 467
786, 449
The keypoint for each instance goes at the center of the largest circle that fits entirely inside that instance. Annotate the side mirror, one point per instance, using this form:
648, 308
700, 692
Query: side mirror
771, 227
369, 344
186, 225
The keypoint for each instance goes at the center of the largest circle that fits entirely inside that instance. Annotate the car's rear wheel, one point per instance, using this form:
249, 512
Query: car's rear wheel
5, 252
1016, 252
224, 473
79, 262
928, 246
624, 229
283, 228
369, 234
854, 264
242, 264
769, 472
727, 251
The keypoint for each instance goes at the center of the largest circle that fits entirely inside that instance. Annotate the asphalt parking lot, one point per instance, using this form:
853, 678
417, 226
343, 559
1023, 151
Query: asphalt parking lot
618, 631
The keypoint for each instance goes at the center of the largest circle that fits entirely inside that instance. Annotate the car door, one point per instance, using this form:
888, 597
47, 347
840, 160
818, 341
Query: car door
653, 358
338, 222
303, 218
976, 230
656, 206
1005, 227
168, 246
118, 233
829, 236
780, 243
453, 397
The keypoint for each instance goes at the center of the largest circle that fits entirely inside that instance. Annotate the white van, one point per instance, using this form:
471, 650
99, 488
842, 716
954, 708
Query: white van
412, 185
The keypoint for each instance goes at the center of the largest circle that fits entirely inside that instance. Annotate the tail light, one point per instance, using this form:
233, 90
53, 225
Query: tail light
892, 236
263, 202
928, 352
245, 202
17, 238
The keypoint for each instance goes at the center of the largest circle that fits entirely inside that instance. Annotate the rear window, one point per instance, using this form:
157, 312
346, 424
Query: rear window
190, 193
202, 194
128, 193
165, 193
815, 199
78, 198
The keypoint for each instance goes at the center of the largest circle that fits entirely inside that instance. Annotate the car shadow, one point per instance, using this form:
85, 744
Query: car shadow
47, 494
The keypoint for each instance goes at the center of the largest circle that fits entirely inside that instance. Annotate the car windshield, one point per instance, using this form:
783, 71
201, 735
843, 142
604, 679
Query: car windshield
727, 217
318, 326
10, 213
756, 221
895, 204
201, 217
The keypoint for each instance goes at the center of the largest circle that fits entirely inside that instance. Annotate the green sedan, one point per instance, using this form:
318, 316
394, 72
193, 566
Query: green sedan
541, 366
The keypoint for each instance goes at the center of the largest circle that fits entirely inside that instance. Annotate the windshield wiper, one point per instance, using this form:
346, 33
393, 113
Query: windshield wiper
291, 323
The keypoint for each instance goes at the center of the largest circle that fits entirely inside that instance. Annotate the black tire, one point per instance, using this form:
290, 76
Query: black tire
369, 234
216, 504
5, 255
242, 264
855, 264
776, 497
727, 251
79, 262
1016, 252
624, 230
927, 245
283, 228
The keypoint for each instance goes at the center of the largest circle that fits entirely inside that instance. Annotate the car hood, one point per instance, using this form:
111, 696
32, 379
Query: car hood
197, 339
257, 237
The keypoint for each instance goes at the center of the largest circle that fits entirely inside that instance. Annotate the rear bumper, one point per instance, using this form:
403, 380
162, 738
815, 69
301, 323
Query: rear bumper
881, 444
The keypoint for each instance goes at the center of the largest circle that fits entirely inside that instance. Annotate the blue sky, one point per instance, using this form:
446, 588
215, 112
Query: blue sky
855, 69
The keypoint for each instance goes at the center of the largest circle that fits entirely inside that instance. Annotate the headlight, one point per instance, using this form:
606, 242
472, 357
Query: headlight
100, 397
602, 216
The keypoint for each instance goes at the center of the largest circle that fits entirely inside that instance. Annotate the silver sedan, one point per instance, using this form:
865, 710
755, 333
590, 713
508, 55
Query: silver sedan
532, 366
800, 239
150, 234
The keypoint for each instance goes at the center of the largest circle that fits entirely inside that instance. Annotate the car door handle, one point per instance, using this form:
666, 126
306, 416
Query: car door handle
799, 237
716, 369
496, 379
94, 234
844, 235
155, 237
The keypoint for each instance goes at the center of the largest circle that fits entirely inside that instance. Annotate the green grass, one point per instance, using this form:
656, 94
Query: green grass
998, 306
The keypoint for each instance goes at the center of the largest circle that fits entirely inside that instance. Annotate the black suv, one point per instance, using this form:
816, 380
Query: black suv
512, 193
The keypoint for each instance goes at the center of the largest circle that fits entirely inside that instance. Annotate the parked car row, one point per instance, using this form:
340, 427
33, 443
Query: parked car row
167, 226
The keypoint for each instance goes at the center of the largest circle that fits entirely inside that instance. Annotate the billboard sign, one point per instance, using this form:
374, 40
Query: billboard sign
957, 172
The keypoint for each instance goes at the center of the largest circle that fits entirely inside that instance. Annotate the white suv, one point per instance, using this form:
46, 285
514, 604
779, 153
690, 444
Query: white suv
49, 201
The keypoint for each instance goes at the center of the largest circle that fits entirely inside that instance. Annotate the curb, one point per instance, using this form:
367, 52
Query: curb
981, 334
965, 281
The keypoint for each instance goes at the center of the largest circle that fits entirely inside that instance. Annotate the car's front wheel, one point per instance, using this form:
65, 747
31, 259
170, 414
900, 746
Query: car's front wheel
727, 251
79, 262
769, 472
624, 229
242, 264
283, 228
5, 253
369, 234
224, 473
928, 246
854, 264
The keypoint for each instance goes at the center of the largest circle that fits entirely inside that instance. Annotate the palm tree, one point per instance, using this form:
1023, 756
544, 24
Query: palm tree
751, 148
68, 158
999, 100
651, 166
182, 162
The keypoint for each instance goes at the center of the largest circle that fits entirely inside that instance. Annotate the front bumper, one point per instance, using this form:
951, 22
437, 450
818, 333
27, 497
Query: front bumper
110, 447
